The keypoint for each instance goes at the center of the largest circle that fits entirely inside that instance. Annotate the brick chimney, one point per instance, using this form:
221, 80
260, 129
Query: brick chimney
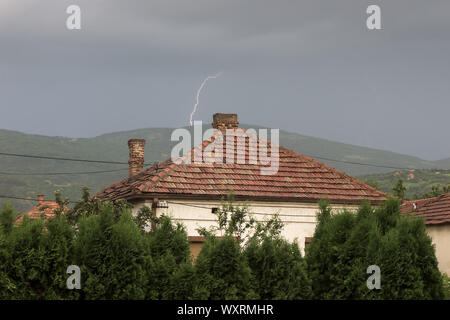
223, 121
40, 199
136, 160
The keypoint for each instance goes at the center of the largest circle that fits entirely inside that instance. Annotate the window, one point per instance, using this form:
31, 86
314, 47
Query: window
307, 241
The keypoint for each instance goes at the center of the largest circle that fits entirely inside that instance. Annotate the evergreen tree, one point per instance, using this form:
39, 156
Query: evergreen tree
168, 246
345, 244
112, 255
7, 217
278, 269
39, 254
222, 271
399, 189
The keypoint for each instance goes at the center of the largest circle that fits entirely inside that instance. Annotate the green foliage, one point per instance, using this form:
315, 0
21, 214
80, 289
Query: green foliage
237, 221
345, 244
6, 284
419, 184
38, 255
399, 189
435, 191
278, 269
88, 207
248, 259
222, 271
7, 217
169, 248
144, 217
112, 256
169, 238
407, 261
446, 282
184, 283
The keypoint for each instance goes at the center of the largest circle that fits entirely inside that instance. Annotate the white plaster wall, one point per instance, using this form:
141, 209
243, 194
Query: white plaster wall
440, 234
299, 218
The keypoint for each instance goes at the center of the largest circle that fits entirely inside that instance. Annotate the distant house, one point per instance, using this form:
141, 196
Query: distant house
44, 209
190, 193
436, 212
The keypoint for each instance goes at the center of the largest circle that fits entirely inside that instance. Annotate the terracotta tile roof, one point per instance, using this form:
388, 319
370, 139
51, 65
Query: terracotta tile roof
435, 210
45, 209
299, 178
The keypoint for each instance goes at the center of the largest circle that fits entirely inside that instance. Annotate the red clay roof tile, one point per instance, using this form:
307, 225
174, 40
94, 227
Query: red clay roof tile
45, 209
434, 210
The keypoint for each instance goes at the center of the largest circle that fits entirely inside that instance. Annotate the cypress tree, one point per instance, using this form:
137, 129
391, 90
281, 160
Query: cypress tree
278, 269
112, 256
168, 247
345, 245
222, 271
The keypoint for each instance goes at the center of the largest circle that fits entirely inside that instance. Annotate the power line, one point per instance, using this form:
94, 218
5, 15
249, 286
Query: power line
118, 162
251, 212
28, 199
57, 173
360, 163
58, 158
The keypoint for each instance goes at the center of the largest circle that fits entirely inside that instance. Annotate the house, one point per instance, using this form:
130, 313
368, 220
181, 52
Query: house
191, 192
44, 209
436, 212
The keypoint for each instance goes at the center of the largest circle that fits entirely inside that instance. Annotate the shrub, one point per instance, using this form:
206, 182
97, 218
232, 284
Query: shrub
446, 281
222, 271
278, 269
112, 256
38, 256
168, 246
345, 244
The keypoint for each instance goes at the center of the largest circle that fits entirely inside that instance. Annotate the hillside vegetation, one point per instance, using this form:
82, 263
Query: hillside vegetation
113, 147
418, 183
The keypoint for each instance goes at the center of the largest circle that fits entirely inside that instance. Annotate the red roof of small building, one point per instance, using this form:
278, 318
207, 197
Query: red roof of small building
435, 210
44, 209
299, 179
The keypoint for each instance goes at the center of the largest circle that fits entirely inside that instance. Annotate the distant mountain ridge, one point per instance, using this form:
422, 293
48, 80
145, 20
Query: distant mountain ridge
113, 147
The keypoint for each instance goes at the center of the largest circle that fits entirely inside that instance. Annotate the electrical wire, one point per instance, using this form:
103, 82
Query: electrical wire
258, 213
57, 173
27, 199
59, 159
118, 162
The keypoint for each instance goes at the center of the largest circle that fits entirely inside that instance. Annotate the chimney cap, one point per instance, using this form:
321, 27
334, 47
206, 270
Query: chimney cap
225, 121
136, 141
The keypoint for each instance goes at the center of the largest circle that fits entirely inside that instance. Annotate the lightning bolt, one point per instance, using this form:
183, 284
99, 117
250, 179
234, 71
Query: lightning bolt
198, 93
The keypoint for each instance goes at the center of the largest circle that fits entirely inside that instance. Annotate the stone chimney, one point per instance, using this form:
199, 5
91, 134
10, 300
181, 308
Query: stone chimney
40, 199
136, 160
223, 121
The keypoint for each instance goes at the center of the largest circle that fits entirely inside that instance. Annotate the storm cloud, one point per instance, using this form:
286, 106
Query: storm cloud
310, 67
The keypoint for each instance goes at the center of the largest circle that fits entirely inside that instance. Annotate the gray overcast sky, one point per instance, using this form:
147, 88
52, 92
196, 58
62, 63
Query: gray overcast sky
310, 67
